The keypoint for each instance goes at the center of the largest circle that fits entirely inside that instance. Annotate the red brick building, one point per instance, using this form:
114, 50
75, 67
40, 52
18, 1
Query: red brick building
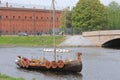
15, 20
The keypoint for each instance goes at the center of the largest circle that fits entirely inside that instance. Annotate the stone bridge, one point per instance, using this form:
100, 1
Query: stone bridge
104, 38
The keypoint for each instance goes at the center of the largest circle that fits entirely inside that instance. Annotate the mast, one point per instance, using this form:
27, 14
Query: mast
53, 6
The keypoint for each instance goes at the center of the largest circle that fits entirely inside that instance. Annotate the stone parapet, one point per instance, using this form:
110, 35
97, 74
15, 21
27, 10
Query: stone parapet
100, 37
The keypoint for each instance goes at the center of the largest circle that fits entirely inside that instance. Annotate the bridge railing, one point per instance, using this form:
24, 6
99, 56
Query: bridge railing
101, 33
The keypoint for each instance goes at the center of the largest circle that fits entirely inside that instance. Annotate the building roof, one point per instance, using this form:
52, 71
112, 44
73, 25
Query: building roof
25, 7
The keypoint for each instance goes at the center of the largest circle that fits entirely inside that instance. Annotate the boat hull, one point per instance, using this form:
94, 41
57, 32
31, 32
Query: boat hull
75, 66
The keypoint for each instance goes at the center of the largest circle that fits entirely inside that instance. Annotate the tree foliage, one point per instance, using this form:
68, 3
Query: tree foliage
66, 19
88, 15
113, 15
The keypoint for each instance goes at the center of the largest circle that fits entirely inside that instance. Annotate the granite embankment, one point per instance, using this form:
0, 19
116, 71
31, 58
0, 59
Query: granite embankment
76, 41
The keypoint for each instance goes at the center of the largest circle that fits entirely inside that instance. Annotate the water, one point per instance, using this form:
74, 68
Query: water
98, 64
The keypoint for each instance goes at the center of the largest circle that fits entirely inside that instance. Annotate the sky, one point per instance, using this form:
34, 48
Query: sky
60, 3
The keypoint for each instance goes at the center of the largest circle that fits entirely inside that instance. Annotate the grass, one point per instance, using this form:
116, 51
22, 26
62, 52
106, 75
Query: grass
30, 40
5, 77
27, 41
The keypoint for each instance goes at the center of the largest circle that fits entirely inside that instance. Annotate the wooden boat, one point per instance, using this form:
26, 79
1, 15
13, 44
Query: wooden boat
74, 65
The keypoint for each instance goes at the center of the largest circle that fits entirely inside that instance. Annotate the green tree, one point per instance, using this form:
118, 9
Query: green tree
113, 15
66, 19
88, 15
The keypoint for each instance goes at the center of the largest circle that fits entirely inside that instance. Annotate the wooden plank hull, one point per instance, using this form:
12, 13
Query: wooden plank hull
74, 66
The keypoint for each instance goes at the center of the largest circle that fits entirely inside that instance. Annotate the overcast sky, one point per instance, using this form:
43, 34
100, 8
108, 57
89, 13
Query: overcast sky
60, 3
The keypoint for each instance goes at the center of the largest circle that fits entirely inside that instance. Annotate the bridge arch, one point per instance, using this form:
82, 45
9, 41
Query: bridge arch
114, 43
105, 38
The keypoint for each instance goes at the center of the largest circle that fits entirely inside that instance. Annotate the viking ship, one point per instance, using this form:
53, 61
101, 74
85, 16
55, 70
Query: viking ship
73, 65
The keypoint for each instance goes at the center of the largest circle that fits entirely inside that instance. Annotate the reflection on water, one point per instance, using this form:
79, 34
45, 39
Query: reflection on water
98, 64
55, 75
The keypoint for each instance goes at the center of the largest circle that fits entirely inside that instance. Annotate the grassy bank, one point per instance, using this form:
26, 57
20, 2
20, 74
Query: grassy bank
4, 77
29, 41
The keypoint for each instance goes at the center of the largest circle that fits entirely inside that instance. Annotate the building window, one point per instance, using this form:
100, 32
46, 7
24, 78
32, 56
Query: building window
13, 17
6, 31
41, 17
52, 18
0, 16
18, 17
36, 17
25, 17
30, 17
6, 16
57, 19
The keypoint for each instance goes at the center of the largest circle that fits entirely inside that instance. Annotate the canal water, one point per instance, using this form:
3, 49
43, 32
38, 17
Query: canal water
98, 64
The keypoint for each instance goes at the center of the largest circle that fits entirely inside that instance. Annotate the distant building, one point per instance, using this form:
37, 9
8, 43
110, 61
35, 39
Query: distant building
30, 20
